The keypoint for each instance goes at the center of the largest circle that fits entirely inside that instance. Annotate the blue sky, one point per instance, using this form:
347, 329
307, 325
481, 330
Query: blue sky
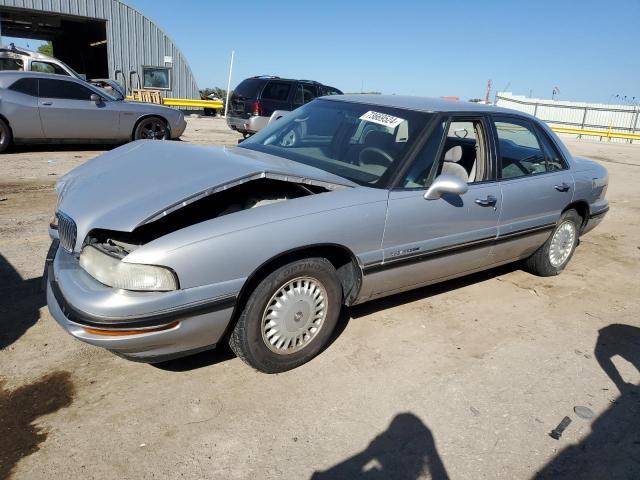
588, 49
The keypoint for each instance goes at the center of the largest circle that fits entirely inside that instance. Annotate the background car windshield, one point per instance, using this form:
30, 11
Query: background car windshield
363, 143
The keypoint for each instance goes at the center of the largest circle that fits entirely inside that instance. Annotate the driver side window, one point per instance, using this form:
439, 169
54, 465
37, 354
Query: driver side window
461, 153
520, 151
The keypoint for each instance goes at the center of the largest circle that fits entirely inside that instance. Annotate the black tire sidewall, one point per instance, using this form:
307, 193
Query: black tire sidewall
137, 132
7, 135
255, 351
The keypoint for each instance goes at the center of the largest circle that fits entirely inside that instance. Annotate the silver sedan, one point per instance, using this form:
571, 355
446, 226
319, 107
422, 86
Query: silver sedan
45, 108
167, 249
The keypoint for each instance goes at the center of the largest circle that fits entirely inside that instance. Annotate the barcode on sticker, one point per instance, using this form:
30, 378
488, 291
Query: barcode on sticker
382, 119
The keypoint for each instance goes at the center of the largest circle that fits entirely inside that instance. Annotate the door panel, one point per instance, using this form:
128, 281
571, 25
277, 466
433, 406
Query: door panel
531, 203
419, 233
20, 105
66, 111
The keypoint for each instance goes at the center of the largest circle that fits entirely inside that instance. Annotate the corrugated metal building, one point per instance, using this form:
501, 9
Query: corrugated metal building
103, 39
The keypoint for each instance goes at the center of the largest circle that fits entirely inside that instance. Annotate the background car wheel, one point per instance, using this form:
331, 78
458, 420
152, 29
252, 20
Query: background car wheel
151, 128
551, 258
5, 136
289, 316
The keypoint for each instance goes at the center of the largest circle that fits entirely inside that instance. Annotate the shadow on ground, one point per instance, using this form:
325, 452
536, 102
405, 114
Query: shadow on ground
20, 301
20, 408
612, 449
61, 147
406, 450
223, 353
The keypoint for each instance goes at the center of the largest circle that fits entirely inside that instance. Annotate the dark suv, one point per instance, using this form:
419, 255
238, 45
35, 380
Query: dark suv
256, 99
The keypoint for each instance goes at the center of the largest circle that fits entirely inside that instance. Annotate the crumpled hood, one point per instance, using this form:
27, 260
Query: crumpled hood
133, 184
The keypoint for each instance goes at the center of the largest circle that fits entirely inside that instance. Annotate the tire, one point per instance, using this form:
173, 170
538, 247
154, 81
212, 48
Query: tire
151, 128
551, 259
250, 341
5, 136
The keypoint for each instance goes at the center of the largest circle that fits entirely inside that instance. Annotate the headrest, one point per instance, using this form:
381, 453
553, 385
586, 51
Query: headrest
454, 154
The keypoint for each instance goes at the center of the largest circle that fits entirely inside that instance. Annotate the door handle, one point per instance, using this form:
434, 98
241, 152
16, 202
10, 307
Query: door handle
490, 201
46, 103
563, 187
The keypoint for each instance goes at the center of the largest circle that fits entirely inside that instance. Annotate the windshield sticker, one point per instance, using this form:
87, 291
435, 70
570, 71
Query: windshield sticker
382, 119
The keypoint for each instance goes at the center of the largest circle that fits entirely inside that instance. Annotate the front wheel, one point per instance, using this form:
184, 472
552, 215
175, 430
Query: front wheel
151, 128
289, 317
552, 257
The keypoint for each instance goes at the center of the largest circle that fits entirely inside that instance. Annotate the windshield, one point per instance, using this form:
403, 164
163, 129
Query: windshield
363, 143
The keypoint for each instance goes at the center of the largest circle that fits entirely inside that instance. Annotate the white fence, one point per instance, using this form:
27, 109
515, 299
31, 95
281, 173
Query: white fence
590, 116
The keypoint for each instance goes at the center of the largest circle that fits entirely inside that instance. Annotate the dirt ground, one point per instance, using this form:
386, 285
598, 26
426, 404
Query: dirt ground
460, 380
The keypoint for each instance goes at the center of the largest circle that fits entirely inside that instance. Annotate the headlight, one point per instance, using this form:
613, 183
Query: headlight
129, 276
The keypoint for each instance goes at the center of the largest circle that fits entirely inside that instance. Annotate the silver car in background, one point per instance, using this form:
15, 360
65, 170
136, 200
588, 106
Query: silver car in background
162, 249
46, 108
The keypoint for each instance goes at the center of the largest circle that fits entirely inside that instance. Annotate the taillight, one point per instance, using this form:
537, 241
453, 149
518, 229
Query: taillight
257, 108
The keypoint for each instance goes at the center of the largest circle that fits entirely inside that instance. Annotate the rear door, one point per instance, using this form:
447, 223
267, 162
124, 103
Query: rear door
535, 183
66, 111
276, 95
20, 105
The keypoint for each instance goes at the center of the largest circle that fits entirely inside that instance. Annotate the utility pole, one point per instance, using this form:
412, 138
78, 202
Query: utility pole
226, 102
486, 97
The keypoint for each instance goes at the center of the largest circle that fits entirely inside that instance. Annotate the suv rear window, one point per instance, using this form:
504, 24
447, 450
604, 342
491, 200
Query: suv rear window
249, 88
276, 91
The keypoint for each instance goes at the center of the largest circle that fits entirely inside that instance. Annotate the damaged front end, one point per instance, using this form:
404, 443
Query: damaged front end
245, 194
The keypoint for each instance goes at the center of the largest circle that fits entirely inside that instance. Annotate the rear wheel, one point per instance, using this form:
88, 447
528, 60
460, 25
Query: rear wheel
151, 128
552, 257
289, 317
5, 136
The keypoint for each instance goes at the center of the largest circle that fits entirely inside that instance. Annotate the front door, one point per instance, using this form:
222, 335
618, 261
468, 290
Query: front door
429, 240
67, 112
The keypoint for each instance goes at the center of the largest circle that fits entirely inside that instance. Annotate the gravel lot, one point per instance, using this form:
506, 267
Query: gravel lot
461, 380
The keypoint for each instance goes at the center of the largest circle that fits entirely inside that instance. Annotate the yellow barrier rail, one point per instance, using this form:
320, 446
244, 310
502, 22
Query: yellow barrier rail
188, 102
597, 133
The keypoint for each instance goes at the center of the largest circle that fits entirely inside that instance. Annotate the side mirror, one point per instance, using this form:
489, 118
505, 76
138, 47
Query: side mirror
446, 184
95, 98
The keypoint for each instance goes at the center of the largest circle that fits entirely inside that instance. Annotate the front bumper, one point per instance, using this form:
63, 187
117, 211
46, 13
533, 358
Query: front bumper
249, 125
178, 129
140, 326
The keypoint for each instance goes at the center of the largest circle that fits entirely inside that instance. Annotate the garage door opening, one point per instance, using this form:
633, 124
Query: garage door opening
79, 42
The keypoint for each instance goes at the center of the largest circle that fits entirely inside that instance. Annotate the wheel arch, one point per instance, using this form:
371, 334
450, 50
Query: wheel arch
145, 116
342, 258
583, 209
6, 120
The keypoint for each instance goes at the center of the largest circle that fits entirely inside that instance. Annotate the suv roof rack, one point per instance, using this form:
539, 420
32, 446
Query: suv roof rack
310, 81
12, 48
265, 76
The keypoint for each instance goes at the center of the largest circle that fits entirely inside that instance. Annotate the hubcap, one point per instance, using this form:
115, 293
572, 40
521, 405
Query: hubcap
294, 315
153, 130
562, 243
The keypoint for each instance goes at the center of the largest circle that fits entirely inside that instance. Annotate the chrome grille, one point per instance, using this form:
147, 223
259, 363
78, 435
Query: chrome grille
66, 231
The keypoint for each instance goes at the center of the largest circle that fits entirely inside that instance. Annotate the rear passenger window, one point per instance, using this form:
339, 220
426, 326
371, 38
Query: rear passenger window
63, 89
520, 152
304, 94
11, 64
276, 91
28, 86
552, 156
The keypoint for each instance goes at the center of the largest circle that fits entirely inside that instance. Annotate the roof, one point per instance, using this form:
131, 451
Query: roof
423, 104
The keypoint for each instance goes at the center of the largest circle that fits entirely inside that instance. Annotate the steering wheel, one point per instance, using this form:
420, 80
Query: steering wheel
289, 139
388, 159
